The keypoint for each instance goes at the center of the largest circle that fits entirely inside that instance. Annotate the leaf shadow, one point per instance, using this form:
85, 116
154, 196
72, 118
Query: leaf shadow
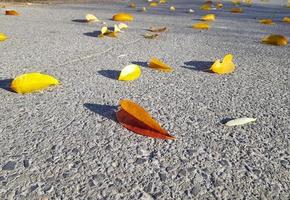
93, 34
225, 120
80, 20
112, 74
142, 64
5, 85
106, 111
198, 65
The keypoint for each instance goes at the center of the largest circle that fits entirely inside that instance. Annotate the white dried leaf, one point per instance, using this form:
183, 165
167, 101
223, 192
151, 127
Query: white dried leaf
240, 121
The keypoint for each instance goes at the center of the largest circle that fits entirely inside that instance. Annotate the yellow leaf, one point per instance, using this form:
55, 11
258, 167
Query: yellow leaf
112, 34
123, 17
286, 19
279, 40
3, 37
162, 1
205, 7
122, 26
32, 82
130, 73
116, 29
267, 21
12, 12
153, 4
224, 67
208, 17
172, 8
144, 9
154, 63
201, 25
236, 2
237, 10
91, 18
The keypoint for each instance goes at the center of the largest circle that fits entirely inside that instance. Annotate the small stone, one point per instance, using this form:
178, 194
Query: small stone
26, 163
10, 165
2, 178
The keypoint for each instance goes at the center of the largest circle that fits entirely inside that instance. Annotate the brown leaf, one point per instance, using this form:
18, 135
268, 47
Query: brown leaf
11, 12
157, 29
151, 35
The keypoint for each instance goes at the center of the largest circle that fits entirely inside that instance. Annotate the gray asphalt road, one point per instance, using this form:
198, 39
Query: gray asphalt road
64, 143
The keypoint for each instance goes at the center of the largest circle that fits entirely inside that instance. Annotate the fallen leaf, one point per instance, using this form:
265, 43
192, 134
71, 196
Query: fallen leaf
157, 29
267, 21
249, 2
153, 4
224, 67
144, 9
240, 121
104, 30
236, 2
237, 10
2, 6
12, 12
123, 26
123, 17
208, 2
3, 37
279, 40
130, 73
286, 19
201, 25
116, 29
205, 7
151, 35
112, 34
154, 63
191, 11
219, 5
137, 119
32, 82
208, 17
172, 8
132, 5
162, 1
91, 18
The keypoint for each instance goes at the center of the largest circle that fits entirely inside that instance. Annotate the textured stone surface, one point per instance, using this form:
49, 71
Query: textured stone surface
64, 143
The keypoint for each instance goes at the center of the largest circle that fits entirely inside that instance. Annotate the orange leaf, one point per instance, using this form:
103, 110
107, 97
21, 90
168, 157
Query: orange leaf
11, 12
286, 19
267, 21
159, 65
279, 40
132, 5
137, 119
201, 25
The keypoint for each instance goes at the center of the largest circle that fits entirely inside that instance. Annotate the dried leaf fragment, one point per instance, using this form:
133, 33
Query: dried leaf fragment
122, 26
279, 40
3, 37
157, 64
162, 1
237, 10
144, 9
132, 5
219, 5
12, 12
157, 29
224, 67
151, 35
123, 17
205, 7
91, 18
137, 119
267, 21
201, 25
130, 73
208, 17
286, 19
32, 82
240, 121
117, 29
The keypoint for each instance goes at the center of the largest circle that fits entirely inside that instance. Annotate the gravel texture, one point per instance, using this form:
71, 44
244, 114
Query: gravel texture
65, 143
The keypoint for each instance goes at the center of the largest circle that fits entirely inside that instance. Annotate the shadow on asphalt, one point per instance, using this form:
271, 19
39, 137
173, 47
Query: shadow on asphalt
93, 34
112, 74
106, 111
198, 65
80, 20
142, 64
5, 85
225, 120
